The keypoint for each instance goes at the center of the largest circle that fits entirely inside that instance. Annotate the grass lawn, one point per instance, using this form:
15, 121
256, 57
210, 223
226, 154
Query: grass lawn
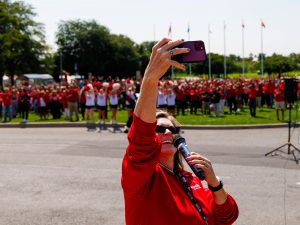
263, 116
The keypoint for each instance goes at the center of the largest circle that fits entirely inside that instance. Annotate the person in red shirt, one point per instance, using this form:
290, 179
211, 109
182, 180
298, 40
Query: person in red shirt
42, 104
24, 104
64, 102
157, 190
180, 99
1, 102
7, 104
54, 103
252, 99
279, 102
72, 95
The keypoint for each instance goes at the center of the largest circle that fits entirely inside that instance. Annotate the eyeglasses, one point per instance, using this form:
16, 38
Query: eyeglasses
162, 129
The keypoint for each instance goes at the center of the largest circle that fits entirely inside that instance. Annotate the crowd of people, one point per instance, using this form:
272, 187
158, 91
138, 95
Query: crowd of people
90, 100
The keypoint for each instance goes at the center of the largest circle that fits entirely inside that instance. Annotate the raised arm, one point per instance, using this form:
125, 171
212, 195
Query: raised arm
160, 61
141, 154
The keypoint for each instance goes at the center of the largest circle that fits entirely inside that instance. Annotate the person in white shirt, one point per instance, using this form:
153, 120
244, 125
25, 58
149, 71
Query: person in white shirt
113, 102
162, 99
171, 97
90, 103
101, 104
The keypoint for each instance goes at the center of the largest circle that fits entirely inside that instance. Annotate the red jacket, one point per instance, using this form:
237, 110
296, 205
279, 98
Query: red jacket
72, 94
155, 196
252, 93
38, 97
7, 98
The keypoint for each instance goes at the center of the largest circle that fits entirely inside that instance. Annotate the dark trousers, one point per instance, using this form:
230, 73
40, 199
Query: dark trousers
180, 106
24, 111
194, 106
82, 109
232, 104
129, 121
252, 106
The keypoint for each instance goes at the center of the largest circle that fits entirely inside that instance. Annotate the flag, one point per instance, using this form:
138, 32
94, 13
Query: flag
170, 30
188, 29
243, 25
262, 24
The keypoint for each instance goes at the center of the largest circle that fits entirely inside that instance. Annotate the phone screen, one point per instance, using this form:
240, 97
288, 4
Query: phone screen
197, 52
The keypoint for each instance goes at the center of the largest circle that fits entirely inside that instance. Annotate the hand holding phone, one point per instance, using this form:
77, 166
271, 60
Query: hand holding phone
197, 52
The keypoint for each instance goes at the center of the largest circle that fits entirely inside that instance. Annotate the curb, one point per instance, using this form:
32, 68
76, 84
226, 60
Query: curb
185, 127
233, 127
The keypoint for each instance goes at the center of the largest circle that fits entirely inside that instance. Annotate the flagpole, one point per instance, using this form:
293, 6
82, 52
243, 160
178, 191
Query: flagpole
225, 72
262, 49
209, 59
189, 38
243, 48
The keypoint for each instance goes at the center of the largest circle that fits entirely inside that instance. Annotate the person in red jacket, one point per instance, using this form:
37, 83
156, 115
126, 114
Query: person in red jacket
1, 102
252, 99
157, 189
7, 104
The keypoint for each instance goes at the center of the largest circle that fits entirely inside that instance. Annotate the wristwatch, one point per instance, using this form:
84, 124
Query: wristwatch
217, 188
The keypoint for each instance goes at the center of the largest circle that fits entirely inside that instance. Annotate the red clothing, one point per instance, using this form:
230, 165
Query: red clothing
155, 196
7, 98
38, 97
252, 93
279, 95
72, 94
1, 100
82, 99
180, 96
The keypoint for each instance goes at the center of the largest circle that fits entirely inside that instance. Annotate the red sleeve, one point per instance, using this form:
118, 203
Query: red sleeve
226, 213
141, 156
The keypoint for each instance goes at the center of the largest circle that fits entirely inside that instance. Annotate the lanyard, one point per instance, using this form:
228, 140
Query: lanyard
190, 194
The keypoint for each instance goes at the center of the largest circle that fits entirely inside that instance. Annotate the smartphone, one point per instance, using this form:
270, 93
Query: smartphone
197, 52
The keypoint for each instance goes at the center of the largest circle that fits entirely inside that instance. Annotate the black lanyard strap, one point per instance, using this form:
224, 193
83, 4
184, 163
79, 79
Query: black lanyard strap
189, 192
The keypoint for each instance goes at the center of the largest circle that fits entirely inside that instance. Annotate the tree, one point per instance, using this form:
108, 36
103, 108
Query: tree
278, 64
125, 56
295, 59
95, 50
144, 50
83, 43
22, 41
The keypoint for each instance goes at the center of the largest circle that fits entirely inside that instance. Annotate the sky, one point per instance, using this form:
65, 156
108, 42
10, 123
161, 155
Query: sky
147, 20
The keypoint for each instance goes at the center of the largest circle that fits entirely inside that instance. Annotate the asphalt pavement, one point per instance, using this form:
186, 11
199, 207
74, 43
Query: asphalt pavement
70, 176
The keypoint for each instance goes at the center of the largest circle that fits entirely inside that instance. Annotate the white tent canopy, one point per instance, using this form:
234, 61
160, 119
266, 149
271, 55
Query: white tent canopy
38, 76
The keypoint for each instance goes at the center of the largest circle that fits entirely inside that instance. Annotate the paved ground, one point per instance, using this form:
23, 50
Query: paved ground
68, 176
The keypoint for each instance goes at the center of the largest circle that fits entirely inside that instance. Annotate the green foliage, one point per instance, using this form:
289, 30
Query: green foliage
125, 56
22, 41
94, 49
144, 50
86, 44
279, 64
